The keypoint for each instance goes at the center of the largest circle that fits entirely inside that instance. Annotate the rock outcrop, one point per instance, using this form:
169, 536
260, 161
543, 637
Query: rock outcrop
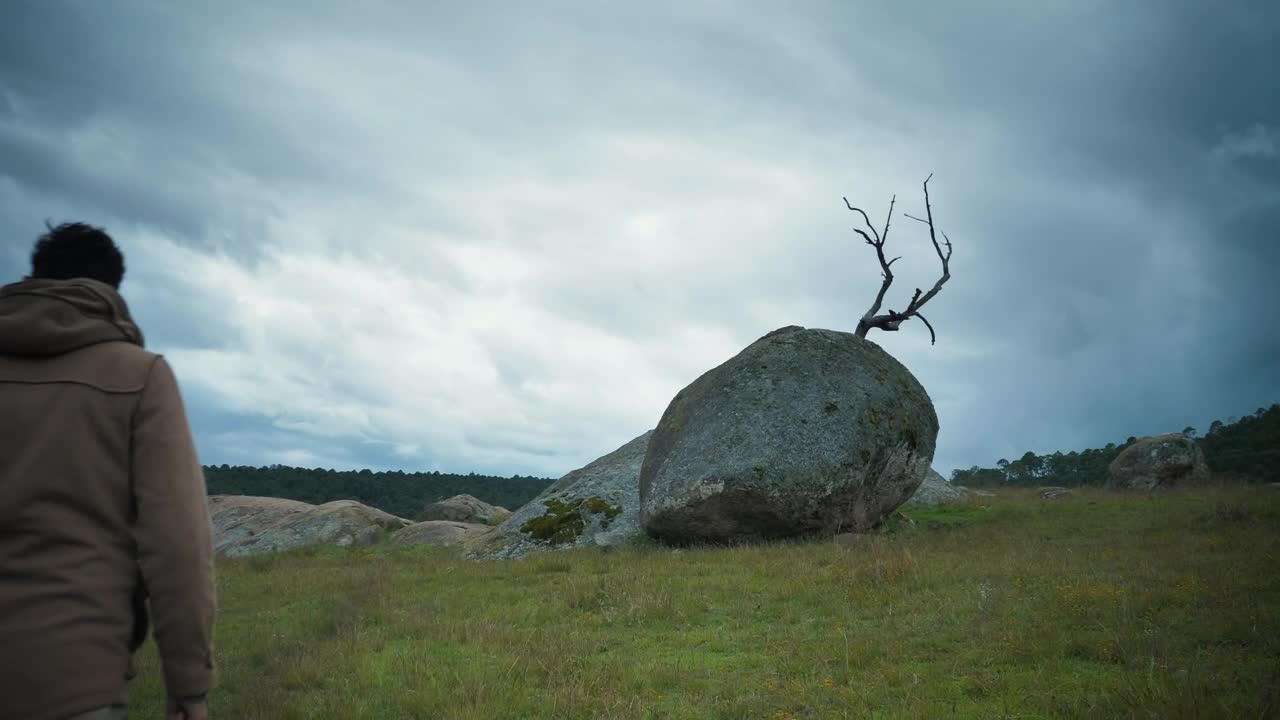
465, 509
597, 504
805, 432
1054, 493
935, 490
237, 517
246, 525
439, 532
1158, 463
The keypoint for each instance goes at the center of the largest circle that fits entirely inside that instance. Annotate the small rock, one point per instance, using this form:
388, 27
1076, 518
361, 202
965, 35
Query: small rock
465, 509
935, 490
439, 532
1054, 493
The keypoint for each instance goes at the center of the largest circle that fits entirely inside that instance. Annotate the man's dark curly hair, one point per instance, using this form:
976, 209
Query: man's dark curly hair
73, 250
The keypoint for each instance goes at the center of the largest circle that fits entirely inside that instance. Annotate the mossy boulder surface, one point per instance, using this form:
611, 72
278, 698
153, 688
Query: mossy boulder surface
565, 521
805, 432
597, 504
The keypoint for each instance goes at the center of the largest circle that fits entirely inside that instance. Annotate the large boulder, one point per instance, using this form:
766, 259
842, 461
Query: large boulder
935, 490
236, 517
267, 526
597, 504
804, 432
439, 532
465, 509
1157, 463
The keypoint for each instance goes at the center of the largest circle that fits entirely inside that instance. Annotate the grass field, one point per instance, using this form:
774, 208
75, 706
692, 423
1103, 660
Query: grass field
1097, 606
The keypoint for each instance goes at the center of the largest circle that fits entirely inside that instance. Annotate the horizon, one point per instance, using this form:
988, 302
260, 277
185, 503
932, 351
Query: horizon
1199, 434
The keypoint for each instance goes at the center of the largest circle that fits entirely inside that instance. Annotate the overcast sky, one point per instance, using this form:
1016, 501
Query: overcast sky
499, 237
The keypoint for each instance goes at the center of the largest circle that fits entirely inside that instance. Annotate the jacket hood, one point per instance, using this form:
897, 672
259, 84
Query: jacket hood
50, 317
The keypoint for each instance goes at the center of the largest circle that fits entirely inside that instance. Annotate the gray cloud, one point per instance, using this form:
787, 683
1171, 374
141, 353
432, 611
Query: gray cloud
494, 239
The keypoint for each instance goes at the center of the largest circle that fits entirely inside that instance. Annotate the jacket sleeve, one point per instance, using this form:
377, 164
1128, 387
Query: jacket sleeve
173, 535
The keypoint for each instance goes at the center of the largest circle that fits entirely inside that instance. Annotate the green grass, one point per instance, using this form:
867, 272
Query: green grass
1098, 606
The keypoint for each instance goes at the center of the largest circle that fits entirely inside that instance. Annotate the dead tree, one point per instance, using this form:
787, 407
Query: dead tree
891, 320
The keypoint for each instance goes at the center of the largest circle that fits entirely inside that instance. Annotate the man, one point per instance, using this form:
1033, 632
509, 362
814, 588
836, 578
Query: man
102, 500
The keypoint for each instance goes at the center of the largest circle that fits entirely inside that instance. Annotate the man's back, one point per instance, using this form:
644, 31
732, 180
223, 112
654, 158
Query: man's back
101, 501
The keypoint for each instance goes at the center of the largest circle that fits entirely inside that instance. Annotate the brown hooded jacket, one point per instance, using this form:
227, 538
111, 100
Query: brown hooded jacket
102, 503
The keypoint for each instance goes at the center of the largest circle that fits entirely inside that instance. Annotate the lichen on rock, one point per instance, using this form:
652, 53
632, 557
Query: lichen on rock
596, 505
564, 522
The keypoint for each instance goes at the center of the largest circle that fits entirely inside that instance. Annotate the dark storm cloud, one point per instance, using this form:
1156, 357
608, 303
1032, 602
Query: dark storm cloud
1108, 174
157, 116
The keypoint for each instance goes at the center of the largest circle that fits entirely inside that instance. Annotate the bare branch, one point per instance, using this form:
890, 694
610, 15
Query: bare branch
933, 338
885, 236
918, 302
885, 266
887, 280
865, 219
891, 320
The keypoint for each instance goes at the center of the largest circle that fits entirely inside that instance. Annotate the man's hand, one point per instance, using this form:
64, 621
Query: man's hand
187, 710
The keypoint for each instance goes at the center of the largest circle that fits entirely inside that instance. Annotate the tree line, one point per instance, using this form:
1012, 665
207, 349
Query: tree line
397, 492
1245, 448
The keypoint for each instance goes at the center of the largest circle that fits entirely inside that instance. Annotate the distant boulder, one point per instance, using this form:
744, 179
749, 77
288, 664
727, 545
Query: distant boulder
597, 504
245, 525
1158, 463
439, 532
465, 509
935, 490
1054, 493
236, 517
804, 432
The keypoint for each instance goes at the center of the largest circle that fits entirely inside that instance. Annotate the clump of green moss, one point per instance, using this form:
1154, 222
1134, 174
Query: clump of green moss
830, 407
875, 417
596, 504
564, 521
